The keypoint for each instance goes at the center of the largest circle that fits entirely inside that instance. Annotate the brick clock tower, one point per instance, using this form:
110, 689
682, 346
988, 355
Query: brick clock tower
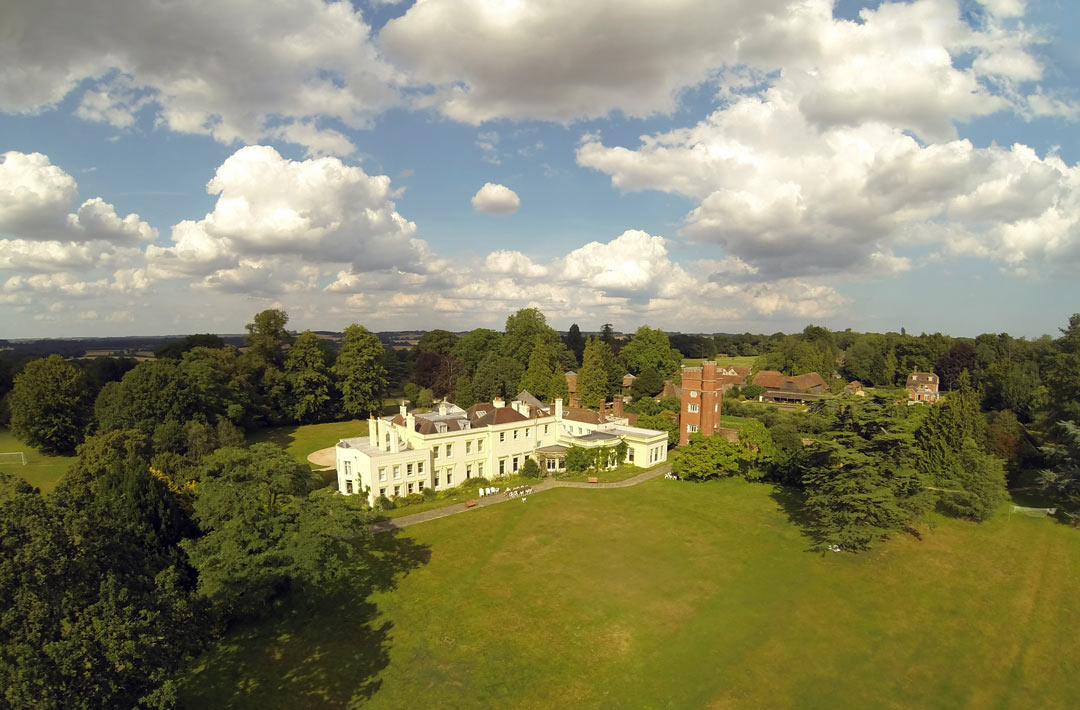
701, 400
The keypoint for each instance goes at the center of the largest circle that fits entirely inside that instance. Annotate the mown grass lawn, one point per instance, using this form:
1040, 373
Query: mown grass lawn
301, 440
675, 595
40, 470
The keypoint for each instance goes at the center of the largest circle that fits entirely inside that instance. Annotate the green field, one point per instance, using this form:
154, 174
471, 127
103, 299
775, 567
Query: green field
734, 361
301, 440
40, 470
673, 595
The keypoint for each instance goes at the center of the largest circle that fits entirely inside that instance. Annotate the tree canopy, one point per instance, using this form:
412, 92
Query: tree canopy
266, 528
50, 405
650, 349
360, 371
575, 342
592, 378
307, 369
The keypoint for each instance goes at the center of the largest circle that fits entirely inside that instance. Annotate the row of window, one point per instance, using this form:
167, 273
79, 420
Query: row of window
516, 433
448, 449
410, 488
513, 463
694, 408
655, 454
415, 468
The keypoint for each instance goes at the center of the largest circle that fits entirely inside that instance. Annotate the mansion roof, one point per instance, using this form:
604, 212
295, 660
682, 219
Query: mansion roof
774, 380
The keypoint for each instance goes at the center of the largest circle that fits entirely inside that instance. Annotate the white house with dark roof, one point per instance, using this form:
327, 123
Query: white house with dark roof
409, 452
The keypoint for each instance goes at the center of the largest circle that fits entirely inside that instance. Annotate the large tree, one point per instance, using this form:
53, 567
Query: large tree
463, 392
659, 422
860, 483
537, 378
155, 391
267, 336
1015, 386
575, 342
758, 450
97, 600
1063, 374
614, 369
707, 457
475, 345
650, 349
497, 376
50, 405
648, 384
436, 341
360, 372
950, 453
522, 330
1062, 477
558, 388
267, 528
960, 357
307, 370
977, 487
592, 378
812, 351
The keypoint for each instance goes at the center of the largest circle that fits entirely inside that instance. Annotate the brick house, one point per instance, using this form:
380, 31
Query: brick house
923, 387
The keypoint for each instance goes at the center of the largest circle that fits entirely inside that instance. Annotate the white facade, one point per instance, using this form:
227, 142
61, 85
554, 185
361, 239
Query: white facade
396, 459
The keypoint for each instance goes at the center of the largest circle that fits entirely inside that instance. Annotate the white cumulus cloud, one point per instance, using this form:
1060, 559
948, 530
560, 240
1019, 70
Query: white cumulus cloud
496, 199
318, 210
236, 70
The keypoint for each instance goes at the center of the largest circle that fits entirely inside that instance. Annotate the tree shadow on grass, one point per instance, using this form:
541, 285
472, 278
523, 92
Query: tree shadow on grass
792, 502
282, 436
315, 650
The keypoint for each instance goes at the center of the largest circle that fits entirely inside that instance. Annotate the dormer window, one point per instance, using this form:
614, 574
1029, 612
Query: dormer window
466, 425
440, 427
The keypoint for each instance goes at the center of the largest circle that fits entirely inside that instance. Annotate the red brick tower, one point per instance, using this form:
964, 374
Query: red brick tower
701, 400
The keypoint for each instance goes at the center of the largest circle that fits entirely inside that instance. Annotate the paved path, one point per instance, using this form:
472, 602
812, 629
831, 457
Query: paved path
547, 484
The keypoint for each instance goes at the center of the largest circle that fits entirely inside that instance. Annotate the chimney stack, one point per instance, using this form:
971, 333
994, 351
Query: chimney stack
498, 402
373, 430
403, 410
616, 406
558, 409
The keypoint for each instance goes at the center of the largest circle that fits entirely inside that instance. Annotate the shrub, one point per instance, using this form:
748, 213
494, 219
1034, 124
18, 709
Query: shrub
471, 483
413, 498
384, 503
753, 391
530, 469
577, 459
428, 493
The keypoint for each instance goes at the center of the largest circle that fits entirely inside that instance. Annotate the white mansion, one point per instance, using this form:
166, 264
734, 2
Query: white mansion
410, 452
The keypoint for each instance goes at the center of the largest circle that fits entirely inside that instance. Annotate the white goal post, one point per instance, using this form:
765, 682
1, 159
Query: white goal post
1031, 512
13, 457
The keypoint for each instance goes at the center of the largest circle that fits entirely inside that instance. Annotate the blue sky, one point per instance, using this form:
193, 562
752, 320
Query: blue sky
698, 166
